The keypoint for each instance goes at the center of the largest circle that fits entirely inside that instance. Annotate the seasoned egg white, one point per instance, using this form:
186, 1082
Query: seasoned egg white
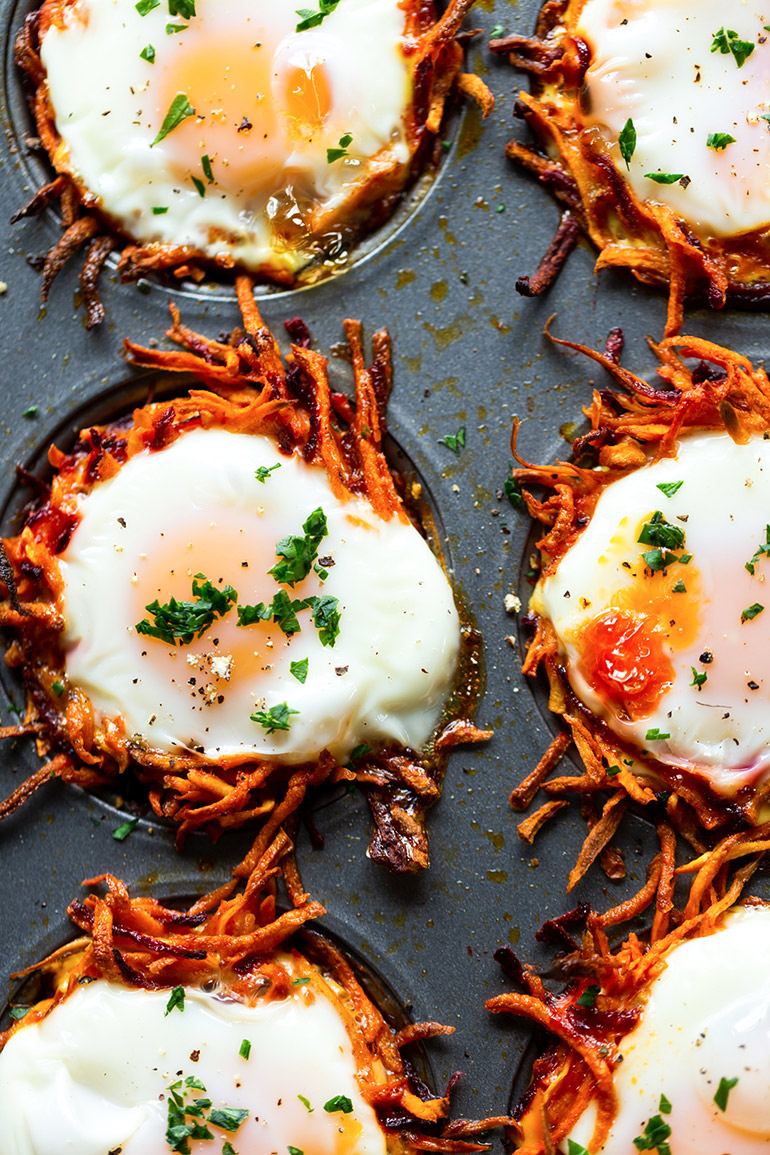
198, 507
239, 179
707, 1019
96, 1074
652, 62
709, 659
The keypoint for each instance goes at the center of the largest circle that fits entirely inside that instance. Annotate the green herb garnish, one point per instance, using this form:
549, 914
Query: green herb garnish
245, 1049
182, 621
339, 1103
264, 471
574, 1148
359, 751
679, 587
669, 487
761, 551
654, 1137
200, 186
658, 559
58, 688
276, 718
172, 28
664, 1106
159, 210
627, 141
148, 54
179, 110
588, 997
121, 833
306, 1103
310, 19
17, 1013
299, 553
183, 8
176, 1000
31, 411
145, 6
719, 140
698, 678
341, 150
729, 41
723, 1092
664, 178
454, 441
298, 670
655, 735
512, 491
751, 612
658, 531
228, 1118
326, 618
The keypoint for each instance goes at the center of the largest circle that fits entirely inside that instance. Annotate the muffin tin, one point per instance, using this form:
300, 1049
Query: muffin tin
467, 352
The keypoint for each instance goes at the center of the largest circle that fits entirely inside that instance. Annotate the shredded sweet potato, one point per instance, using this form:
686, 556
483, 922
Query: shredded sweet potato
231, 936
570, 161
629, 427
434, 57
250, 390
577, 1070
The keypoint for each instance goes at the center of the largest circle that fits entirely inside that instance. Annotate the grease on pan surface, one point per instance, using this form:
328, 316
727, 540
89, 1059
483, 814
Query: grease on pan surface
653, 124
233, 135
188, 1030
660, 1044
226, 594
649, 613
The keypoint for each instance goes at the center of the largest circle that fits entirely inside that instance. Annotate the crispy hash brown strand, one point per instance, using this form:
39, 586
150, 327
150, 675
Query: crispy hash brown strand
229, 936
641, 235
436, 66
630, 427
587, 1045
250, 390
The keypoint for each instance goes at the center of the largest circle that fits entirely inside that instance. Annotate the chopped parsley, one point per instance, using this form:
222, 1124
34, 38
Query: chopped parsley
664, 1106
723, 1092
245, 1049
17, 1013
326, 618
228, 1149
276, 718
729, 41
183, 8
611, 771
664, 177
588, 997
657, 531
654, 1136
176, 1000
145, 6
58, 688
512, 491
179, 110
299, 553
627, 141
200, 186
298, 670
300, 982
159, 210
497, 31
295, 1150
310, 19
283, 610
31, 411
669, 487
339, 1103
359, 751
182, 621
679, 587
172, 28
751, 612
228, 1118
655, 735
121, 833
454, 441
341, 150
574, 1148
658, 559
719, 140
264, 471
306, 1103
148, 54
762, 550
698, 678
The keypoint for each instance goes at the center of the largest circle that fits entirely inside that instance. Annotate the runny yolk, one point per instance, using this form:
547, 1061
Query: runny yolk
624, 650
622, 657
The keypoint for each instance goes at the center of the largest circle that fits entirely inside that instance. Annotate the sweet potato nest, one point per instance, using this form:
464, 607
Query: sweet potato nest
630, 427
643, 236
587, 1037
435, 63
230, 936
250, 389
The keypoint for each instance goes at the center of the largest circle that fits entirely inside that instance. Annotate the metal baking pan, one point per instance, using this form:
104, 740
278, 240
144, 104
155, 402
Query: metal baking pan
468, 352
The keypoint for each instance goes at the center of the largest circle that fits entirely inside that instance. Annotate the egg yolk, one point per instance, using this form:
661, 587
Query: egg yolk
251, 110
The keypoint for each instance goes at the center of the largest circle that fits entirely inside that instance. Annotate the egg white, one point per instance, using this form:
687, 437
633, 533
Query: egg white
94, 1075
652, 62
706, 1018
723, 727
109, 104
196, 506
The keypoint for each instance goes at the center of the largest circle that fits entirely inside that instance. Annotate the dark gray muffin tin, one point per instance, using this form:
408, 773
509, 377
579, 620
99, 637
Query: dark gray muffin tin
468, 352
